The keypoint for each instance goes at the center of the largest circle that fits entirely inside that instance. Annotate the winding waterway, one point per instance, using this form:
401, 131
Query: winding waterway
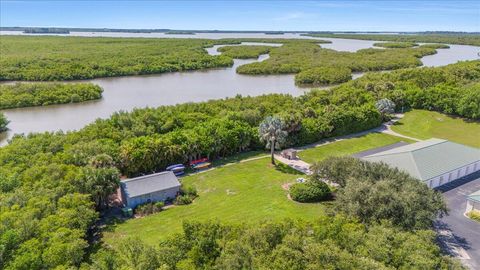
127, 93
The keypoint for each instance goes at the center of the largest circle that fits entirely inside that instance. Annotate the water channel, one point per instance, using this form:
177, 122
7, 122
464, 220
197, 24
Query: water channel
127, 93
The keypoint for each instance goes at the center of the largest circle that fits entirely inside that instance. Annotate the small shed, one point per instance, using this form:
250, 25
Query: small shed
289, 154
149, 188
473, 201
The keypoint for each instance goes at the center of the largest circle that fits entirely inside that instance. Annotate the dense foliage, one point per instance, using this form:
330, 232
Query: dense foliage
374, 192
47, 179
295, 57
323, 76
453, 89
329, 243
3, 122
38, 170
397, 45
70, 58
450, 38
50, 58
435, 46
310, 191
41, 94
244, 51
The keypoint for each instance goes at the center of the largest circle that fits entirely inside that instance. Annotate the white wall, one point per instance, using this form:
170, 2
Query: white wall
453, 175
158, 196
471, 205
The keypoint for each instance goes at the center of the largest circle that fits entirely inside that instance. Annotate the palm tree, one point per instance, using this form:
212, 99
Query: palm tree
272, 132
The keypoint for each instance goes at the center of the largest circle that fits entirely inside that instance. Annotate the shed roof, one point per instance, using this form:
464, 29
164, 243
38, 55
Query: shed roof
142, 185
475, 196
428, 159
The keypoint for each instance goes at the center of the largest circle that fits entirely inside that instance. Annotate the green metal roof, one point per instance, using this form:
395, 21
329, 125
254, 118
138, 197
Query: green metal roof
475, 196
428, 159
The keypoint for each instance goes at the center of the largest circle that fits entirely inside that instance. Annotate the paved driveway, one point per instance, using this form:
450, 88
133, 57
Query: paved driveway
459, 235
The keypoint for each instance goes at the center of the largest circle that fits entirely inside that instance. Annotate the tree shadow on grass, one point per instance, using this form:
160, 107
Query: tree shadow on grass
283, 168
237, 158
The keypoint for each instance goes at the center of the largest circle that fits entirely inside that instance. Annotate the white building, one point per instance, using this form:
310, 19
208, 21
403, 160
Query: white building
434, 161
149, 188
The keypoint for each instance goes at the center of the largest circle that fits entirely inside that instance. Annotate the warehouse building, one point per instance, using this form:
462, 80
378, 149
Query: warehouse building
149, 188
434, 161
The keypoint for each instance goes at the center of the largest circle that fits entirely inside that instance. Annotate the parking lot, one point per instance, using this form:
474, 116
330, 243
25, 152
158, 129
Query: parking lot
459, 235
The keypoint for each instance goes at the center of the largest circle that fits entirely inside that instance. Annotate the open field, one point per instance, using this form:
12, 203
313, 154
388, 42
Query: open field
349, 146
426, 124
241, 193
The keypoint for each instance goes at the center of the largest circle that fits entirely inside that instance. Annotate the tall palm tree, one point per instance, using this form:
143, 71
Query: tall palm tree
272, 132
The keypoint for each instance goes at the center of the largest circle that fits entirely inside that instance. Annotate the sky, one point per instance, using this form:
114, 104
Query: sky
247, 15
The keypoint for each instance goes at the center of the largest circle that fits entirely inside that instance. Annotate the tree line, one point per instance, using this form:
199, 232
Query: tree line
41, 94
450, 38
328, 243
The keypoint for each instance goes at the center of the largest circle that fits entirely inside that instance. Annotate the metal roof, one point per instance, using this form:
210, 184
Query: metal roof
475, 196
428, 159
142, 185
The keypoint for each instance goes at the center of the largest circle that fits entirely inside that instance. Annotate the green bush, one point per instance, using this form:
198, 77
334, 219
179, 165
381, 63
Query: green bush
323, 76
475, 215
183, 200
149, 208
311, 191
3, 122
189, 191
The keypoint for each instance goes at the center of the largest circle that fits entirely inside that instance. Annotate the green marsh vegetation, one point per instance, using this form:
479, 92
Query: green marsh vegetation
51, 58
435, 46
244, 51
396, 45
463, 39
307, 57
72, 58
41, 94
323, 76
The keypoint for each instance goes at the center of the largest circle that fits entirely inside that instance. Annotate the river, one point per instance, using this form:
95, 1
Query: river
126, 93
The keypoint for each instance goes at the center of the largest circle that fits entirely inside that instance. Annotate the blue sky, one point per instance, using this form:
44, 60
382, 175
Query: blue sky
248, 15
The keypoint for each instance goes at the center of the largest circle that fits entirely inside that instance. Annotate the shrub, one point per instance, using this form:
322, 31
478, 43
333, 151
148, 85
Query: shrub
475, 215
183, 200
311, 191
149, 208
187, 195
3, 122
189, 191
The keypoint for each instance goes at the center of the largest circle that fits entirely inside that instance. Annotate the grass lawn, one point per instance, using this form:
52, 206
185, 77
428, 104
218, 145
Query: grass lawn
426, 124
349, 146
248, 191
